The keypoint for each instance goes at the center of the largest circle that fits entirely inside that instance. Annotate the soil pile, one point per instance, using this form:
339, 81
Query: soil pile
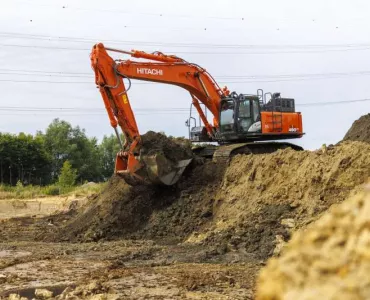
264, 197
172, 148
329, 260
360, 130
243, 209
151, 212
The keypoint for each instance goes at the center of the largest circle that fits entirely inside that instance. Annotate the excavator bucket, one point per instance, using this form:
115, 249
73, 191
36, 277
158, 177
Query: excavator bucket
163, 171
158, 160
152, 169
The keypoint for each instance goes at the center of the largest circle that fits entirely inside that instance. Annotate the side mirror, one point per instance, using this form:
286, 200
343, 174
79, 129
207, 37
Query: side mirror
187, 123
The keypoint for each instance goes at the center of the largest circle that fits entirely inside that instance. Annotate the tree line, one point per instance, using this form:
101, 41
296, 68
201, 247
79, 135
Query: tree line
38, 159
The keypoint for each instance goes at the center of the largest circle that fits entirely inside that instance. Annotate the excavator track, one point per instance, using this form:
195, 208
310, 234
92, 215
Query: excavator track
224, 152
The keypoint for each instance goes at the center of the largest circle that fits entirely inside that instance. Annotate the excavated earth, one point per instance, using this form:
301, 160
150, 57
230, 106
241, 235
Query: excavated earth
207, 237
360, 130
174, 149
328, 260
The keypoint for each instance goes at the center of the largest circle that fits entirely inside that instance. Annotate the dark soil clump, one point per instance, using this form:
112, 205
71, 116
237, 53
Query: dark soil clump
174, 149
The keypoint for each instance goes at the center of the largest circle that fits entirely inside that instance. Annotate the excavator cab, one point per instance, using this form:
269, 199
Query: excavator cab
240, 115
248, 118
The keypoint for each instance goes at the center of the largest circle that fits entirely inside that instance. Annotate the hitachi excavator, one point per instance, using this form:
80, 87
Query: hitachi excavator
242, 123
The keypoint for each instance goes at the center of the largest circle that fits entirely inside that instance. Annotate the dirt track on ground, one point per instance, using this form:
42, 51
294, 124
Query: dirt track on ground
126, 269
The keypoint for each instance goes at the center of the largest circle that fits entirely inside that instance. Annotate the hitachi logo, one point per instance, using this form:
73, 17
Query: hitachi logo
149, 71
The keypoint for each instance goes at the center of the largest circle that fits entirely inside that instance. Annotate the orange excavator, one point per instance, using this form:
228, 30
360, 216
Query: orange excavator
242, 123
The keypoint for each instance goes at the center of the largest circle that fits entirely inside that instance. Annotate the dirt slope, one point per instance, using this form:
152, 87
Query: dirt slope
147, 211
241, 209
329, 260
258, 192
360, 130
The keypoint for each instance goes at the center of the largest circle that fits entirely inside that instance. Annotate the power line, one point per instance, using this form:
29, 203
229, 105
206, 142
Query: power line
181, 45
250, 78
65, 82
333, 102
271, 51
62, 75
87, 109
46, 81
301, 75
138, 111
292, 79
41, 71
88, 114
44, 47
204, 53
153, 83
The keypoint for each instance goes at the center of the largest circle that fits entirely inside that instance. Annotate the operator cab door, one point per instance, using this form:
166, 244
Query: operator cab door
249, 115
227, 117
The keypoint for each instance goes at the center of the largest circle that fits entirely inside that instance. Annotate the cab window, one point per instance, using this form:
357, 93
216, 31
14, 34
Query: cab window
245, 109
227, 116
256, 111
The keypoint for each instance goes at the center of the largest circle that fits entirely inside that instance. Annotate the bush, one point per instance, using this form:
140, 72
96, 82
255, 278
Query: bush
18, 188
68, 175
52, 190
5, 188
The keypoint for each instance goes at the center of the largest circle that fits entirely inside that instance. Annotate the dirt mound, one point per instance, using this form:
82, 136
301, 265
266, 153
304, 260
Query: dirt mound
243, 209
329, 260
147, 211
264, 197
360, 130
173, 148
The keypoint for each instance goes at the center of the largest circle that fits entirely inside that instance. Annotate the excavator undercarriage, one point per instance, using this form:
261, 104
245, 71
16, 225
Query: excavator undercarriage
225, 152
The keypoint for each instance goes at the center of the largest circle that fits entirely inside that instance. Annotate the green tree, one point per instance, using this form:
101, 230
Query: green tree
23, 158
65, 142
57, 137
68, 175
107, 155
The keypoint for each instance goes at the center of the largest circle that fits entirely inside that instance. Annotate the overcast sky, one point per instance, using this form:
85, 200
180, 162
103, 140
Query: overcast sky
314, 51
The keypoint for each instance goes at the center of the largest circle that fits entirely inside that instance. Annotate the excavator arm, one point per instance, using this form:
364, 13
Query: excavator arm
109, 75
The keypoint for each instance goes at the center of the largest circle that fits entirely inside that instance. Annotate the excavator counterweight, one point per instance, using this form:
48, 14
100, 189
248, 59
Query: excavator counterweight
240, 121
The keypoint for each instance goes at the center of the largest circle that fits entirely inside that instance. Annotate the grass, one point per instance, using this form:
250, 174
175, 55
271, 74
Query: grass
33, 191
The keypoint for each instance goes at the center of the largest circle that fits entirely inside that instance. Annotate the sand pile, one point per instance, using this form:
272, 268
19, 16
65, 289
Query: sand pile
328, 260
360, 130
